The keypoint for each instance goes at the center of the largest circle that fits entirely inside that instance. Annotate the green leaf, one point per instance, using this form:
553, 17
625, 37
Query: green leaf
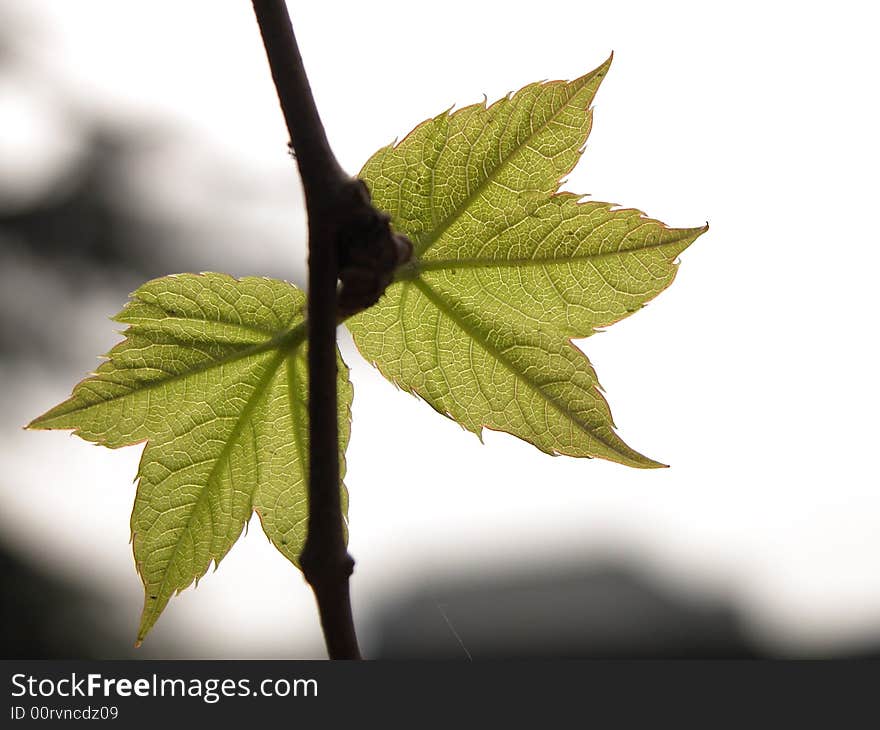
212, 375
506, 270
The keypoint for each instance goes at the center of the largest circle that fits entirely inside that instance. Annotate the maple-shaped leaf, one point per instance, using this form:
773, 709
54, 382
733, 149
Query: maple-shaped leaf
506, 270
212, 375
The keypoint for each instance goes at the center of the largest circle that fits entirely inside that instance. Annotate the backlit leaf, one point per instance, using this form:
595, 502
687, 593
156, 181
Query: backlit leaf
212, 375
506, 270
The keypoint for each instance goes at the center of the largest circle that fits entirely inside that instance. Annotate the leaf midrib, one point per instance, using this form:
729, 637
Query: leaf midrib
248, 408
499, 263
436, 233
286, 340
474, 334
143, 324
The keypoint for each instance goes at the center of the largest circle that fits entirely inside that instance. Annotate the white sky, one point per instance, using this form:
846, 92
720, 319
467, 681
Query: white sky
754, 376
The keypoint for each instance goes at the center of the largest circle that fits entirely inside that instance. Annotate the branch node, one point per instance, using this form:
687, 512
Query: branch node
368, 251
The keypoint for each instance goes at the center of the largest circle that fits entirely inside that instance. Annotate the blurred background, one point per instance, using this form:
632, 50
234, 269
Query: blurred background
143, 138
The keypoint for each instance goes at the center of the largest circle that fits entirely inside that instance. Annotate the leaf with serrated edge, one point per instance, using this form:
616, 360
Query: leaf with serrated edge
506, 270
212, 375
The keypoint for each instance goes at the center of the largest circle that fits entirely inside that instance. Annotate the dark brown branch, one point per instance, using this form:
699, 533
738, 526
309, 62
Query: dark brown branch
320, 171
325, 560
348, 240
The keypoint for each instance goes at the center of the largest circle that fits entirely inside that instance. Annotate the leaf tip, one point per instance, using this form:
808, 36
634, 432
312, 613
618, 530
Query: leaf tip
694, 233
645, 462
39, 423
602, 69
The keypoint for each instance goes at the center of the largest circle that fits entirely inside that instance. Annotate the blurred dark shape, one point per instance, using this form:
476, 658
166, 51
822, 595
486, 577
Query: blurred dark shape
87, 220
607, 611
85, 235
42, 617
130, 197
